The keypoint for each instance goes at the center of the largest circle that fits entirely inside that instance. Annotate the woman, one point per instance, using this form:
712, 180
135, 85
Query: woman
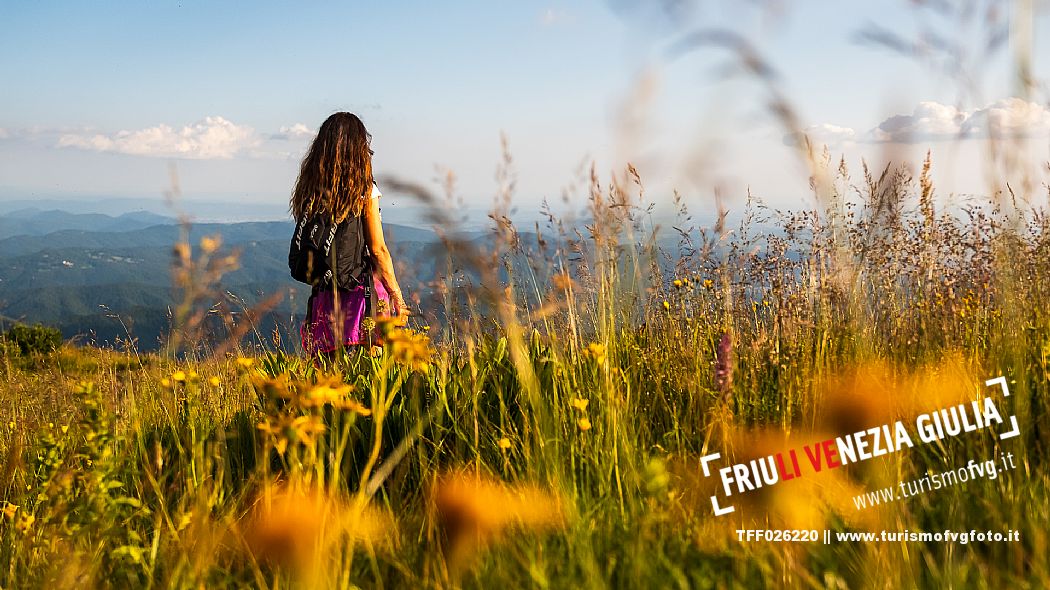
335, 180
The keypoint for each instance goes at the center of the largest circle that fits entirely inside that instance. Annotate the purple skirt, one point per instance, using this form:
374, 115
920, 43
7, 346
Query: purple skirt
333, 322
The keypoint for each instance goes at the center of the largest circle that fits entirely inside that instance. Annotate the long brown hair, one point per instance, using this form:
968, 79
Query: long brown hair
336, 174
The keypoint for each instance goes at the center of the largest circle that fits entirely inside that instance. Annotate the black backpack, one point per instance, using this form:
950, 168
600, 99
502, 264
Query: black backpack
329, 255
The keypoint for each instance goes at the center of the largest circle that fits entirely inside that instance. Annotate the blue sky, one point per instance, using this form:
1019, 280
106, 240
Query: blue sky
100, 98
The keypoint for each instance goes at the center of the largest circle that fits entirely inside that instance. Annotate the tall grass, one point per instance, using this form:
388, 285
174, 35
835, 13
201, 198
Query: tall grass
548, 433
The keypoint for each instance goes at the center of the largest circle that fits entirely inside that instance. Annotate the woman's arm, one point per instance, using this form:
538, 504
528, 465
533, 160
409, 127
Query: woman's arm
381, 256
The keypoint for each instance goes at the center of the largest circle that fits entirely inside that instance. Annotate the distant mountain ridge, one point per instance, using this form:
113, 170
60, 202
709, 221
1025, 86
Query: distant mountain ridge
38, 222
197, 209
396, 209
167, 234
99, 285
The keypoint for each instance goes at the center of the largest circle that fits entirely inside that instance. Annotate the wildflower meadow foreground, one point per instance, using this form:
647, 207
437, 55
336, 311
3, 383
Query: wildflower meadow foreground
578, 407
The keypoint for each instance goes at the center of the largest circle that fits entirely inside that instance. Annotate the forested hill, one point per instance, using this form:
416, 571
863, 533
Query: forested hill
99, 277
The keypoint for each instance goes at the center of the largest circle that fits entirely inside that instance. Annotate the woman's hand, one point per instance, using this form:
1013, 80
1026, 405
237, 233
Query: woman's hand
400, 306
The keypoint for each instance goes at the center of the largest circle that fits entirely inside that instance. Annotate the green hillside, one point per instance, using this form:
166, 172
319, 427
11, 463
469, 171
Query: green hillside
101, 286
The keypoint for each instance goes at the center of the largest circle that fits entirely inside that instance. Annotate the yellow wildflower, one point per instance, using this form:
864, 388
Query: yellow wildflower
214, 381
10, 510
475, 511
595, 351
210, 244
165, 382
504, 443
677, 284
65, 428
368, 324
336, 393
288, 429
667, 305
580, 404
406, 346
584, 424
178, 376
245, 362
26, 523
331, 391
296, 526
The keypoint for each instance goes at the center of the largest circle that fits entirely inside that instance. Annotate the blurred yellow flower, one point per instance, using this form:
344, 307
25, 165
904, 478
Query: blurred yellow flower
667, 305
288, 429
214, 381
178, 376
245, 362
580, 404
406, 346
210, 244
10, 510
296, 527
65, 428
475, 510
165, 382
326, 392
595, 351
26, 523
334, 392
677, 284
504, 443
584, 424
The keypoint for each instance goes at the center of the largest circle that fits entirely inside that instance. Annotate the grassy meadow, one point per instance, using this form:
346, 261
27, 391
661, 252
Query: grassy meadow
549, 434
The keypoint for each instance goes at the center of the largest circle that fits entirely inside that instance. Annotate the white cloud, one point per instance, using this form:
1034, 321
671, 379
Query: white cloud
932, 121
297, 131
212, 138
824, 134
1010, 117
